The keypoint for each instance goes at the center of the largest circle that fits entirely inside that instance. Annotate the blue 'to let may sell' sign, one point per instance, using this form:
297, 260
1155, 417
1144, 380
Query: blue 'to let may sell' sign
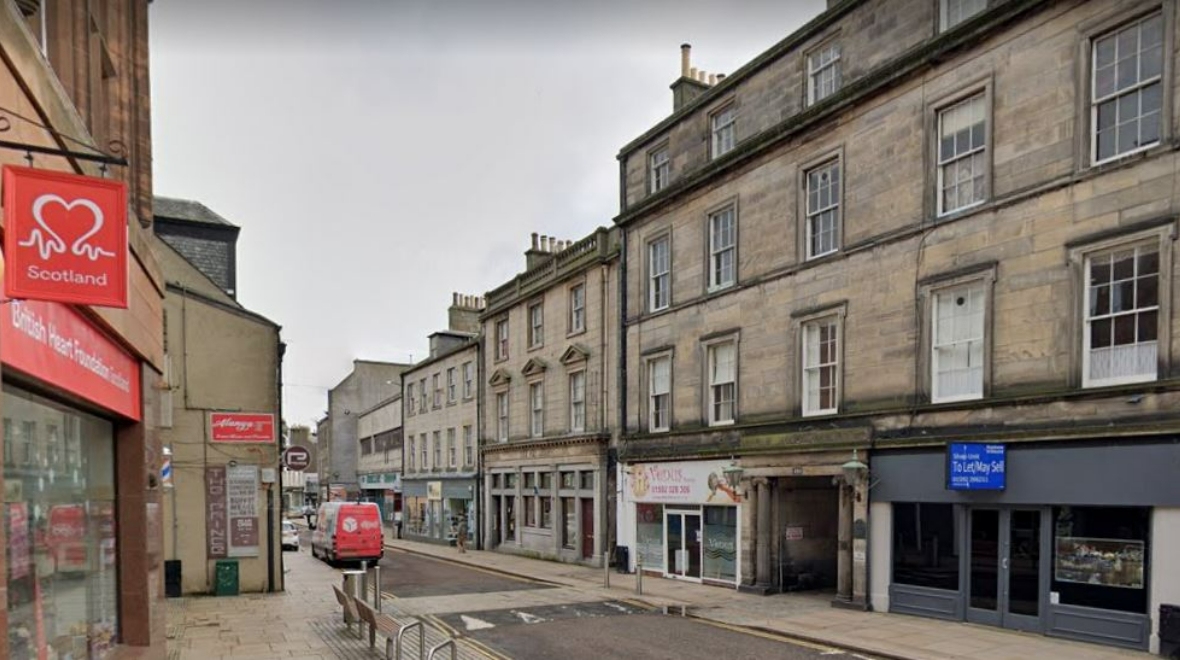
976, 466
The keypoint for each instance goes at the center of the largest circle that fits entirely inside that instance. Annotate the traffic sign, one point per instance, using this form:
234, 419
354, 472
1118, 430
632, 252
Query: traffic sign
296, 458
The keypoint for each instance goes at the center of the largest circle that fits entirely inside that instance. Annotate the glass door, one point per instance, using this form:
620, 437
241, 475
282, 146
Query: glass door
683, 543
1004, 584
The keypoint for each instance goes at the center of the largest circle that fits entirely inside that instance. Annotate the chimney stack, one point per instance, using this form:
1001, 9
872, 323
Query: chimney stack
692, 82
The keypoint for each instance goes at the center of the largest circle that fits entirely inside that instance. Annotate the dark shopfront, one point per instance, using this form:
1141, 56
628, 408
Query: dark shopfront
1065, 549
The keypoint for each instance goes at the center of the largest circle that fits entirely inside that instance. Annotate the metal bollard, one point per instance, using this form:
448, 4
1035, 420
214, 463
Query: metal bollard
377, 587
639, 575
605, 569
364, 581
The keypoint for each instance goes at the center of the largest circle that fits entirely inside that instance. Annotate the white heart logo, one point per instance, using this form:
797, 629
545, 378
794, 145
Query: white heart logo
48, 242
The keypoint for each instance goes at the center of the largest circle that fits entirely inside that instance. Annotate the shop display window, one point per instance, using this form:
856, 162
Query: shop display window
569, 534
649, 537
720, 543
59, 518
1100, 557
925, 551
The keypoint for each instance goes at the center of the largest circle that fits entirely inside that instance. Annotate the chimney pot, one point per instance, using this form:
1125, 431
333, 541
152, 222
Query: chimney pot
712, 79
692, 72
685, 56
720, 77
534, 240
454, 299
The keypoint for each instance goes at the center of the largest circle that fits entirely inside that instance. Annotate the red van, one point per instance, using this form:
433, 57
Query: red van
348, 531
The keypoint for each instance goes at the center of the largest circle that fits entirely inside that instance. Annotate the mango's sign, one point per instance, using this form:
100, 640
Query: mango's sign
65, 237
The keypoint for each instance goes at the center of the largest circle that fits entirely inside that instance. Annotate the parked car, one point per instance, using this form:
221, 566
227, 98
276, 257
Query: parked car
348, 531
290, 536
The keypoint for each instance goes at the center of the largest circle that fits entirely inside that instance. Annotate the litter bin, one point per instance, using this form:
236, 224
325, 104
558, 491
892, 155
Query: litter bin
1170, 631
622, 559
172, 581
226, 578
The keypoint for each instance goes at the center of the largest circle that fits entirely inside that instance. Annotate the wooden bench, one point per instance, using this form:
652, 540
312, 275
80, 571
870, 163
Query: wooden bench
378, 623
351, 615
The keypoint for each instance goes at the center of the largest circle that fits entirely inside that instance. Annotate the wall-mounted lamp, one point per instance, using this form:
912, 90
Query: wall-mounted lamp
733, 474
233, 463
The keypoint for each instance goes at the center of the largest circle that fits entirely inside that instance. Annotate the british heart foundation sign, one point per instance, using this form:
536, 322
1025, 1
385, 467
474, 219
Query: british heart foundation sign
65, 237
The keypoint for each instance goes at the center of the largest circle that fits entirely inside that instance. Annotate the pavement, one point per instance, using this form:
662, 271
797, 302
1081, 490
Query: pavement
304, 622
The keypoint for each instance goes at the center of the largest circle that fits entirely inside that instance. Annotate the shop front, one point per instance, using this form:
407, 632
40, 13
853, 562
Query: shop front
1058, 539
385, 490
435, 510
685, 521
69, 395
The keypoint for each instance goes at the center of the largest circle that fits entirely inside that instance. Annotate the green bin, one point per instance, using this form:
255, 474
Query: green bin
226, 578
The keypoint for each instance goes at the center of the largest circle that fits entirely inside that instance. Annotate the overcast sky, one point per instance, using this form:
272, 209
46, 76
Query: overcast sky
381, 154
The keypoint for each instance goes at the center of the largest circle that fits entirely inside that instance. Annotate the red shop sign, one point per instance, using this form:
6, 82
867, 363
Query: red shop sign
65, 237
52, 342
242, 427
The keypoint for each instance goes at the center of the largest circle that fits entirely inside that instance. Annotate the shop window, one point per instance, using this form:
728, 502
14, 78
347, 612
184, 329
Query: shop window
60, 532
530, 511
1100, 557
569, 527
649, 535
587, 480
510, 518
567, 479
925, 553
546, 512
546, 481
510, 480
720, 543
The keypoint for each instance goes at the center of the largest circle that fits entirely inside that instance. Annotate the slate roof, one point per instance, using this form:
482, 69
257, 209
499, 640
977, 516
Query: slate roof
187, 209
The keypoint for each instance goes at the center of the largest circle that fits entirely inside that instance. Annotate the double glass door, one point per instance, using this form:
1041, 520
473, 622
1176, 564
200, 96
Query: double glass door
1005, 551
683, 543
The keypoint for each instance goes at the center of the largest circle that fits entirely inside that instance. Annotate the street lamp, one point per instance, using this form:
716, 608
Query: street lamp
733, 474
854, 471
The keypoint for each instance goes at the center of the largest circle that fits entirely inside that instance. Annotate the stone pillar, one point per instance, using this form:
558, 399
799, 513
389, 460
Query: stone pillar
749, 532
860, 545
762, 540
844, 545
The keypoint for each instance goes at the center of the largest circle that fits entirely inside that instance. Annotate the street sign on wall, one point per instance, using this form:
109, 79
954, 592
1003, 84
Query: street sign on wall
296, 458
976, 466
241, 427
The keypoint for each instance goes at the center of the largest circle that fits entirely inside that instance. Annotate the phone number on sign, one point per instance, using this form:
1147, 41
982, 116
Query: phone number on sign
670, 490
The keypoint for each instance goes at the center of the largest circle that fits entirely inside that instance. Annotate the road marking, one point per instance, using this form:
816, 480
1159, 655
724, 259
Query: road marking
473, 623
529, 618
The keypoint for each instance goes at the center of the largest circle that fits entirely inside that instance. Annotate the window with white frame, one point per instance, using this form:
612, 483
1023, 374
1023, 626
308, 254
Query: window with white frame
659, 169
423, 401
823, 73
468, 446
502, 416
410, 455
723, 123
468, 380
536, 409
437, 446
436, 383
659, 268
1126, 112
957, 342
502, 339
577, 308
424, 466
722, 365
821, 365
451, 385
823, 209
659, 393
962, 154
1122, 315
452, 451
722, 248
410, 398
578, 402
953, 12
536, 325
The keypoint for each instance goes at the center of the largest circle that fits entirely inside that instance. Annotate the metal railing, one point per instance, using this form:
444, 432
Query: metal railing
440, 646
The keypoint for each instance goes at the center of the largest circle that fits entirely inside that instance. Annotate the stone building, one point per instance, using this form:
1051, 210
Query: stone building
221, 384
903, 288
549, 408
74, 93
440, 461
369, 383
379, 461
